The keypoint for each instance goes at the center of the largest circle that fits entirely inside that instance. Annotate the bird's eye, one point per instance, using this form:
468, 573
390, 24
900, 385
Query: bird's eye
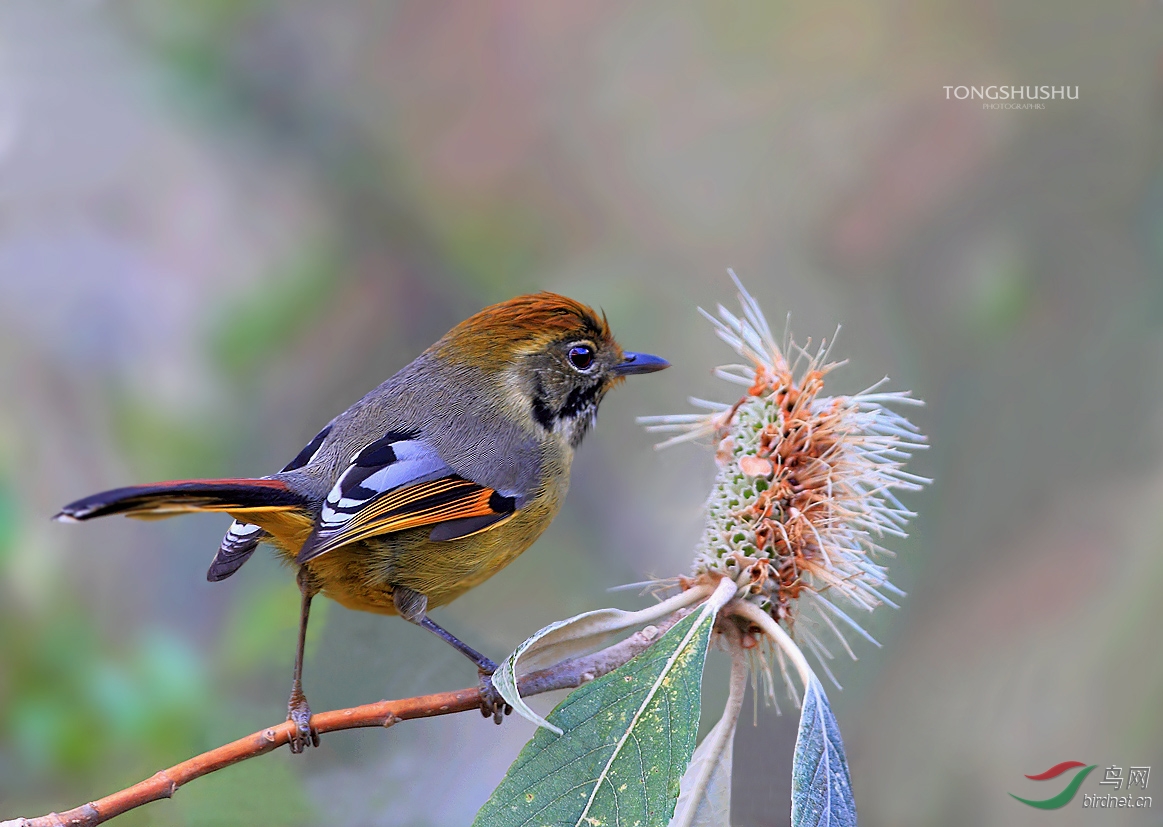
581, 356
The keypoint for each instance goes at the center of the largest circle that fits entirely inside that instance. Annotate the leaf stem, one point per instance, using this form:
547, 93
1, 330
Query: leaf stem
773, 630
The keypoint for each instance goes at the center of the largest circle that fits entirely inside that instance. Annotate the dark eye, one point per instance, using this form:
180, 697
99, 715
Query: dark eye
581, 356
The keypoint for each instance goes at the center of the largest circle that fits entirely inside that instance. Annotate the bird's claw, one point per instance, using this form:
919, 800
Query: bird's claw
492, 704
304, 734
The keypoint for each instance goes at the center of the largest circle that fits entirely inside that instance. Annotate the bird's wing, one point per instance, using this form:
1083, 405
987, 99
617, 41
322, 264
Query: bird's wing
243, 538
400, 482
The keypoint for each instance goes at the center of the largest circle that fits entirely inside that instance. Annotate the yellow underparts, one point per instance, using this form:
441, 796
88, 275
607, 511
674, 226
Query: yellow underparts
361, 575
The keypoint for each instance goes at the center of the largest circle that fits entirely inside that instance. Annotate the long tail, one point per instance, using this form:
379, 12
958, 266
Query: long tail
261, 508
165, 499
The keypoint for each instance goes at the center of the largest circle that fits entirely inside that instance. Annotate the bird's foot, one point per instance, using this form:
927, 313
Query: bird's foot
299, 714
492, 704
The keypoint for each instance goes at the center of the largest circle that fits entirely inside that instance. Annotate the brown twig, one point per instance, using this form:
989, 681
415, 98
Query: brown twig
565, 675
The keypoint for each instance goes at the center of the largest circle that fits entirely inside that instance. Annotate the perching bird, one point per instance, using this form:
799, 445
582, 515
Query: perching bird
428, 485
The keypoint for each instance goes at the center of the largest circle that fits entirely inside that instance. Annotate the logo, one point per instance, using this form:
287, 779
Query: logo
1067, 795
1136, 776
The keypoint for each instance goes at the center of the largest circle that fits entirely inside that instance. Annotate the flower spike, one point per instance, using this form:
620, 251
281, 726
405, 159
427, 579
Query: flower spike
807, 484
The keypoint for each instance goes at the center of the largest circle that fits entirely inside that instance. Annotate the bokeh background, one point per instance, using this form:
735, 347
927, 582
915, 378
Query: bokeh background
222, 222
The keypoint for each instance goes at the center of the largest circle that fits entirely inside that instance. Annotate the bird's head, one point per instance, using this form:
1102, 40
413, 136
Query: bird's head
553, 355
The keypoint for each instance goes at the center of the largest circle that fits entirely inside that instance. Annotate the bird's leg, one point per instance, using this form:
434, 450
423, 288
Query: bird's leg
297, 709
413, 607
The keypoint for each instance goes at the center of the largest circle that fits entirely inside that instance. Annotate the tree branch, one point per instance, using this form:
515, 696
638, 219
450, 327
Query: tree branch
566, 675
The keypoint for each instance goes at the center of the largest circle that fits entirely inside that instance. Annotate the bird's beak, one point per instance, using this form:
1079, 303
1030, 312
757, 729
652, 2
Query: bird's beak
640, 363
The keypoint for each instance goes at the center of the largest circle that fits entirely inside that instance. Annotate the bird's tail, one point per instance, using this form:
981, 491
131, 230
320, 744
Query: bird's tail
243, 498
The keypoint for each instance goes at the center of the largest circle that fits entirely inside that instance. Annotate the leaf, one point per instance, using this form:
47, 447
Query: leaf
570, 638
704, 798
821, 792
713, 806
627, 737
821, 789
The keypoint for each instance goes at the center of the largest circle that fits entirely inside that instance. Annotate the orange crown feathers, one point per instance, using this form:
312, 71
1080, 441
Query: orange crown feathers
538, 317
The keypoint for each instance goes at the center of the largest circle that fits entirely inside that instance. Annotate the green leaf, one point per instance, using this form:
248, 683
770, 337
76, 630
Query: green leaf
821, 791
628, 738
571, 638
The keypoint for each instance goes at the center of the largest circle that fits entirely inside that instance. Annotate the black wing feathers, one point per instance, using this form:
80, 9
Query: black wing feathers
308, 452
400, 482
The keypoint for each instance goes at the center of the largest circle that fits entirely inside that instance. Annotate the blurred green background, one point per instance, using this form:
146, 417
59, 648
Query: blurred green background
222, 222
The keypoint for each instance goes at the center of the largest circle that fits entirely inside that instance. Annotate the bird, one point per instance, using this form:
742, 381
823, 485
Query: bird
429, 484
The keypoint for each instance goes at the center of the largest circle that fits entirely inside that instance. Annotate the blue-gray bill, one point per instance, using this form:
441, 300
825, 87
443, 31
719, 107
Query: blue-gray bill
640, 363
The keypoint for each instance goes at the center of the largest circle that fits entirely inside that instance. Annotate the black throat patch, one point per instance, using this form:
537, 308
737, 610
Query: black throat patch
545, 416
577, 412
